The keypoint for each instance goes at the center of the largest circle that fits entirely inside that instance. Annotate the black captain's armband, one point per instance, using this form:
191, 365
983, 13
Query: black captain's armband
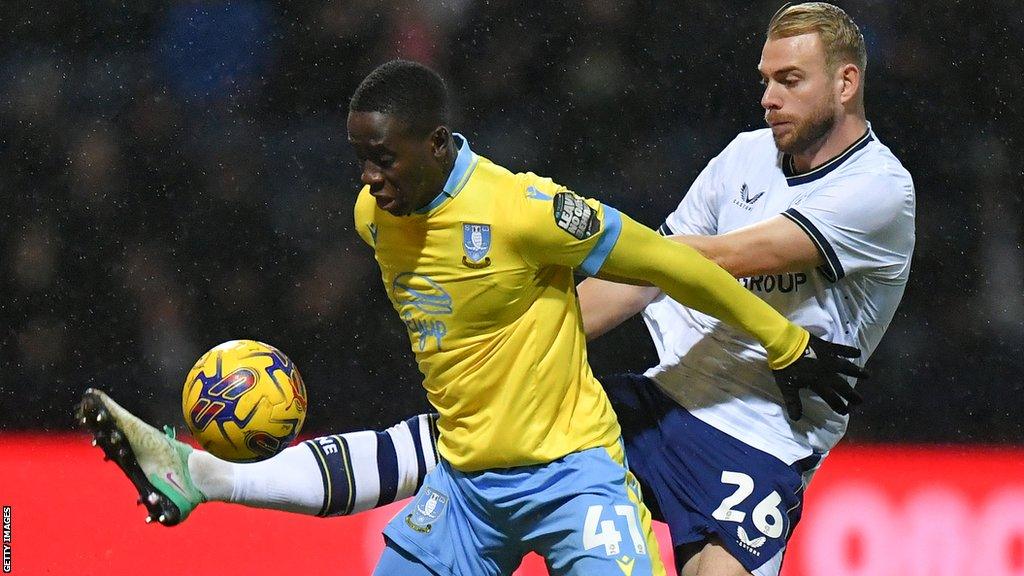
575, 216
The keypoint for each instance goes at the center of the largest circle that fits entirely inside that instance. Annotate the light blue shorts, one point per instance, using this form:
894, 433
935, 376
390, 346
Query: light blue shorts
582, 513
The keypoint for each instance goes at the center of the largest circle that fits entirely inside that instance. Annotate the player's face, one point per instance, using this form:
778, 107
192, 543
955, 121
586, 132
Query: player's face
403, 170
801, 96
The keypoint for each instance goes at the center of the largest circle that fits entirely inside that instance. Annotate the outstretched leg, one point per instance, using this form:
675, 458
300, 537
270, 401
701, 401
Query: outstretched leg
327, 476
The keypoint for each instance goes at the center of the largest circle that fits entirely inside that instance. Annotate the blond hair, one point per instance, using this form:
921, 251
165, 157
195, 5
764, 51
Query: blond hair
844, 44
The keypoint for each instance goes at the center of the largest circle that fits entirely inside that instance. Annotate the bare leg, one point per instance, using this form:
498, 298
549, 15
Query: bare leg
709, 558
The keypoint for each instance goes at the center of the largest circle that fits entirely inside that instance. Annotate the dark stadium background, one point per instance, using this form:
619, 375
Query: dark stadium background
176, 174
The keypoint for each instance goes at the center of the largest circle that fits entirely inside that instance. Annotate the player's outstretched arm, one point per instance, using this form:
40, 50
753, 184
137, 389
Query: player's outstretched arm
774, 246
694, 281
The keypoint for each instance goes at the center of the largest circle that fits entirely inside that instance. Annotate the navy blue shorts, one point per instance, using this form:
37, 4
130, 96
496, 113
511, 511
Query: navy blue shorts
703, 482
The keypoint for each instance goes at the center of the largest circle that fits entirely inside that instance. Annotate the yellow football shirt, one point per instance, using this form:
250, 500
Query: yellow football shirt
482, 279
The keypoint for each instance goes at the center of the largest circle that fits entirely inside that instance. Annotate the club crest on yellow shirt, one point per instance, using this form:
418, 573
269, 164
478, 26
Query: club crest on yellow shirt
476, 242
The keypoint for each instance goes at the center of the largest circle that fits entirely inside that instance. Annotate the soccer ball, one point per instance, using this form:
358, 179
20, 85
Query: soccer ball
244, 401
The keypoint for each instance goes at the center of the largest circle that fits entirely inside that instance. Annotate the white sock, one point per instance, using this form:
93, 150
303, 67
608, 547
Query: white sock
211, 475
289, 481
362, 470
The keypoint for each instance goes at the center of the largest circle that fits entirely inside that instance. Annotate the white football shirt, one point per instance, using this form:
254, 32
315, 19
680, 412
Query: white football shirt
858, 209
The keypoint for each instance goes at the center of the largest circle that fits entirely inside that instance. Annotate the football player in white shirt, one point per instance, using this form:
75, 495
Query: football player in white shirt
814, 215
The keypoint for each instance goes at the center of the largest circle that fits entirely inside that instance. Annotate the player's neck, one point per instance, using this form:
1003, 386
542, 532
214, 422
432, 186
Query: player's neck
449, 160
446, 164
848, 129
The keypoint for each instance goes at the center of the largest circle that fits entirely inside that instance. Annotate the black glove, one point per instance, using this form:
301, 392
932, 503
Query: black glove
819, 369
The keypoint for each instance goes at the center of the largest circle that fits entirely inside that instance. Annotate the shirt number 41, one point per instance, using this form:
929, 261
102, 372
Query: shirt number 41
597, 532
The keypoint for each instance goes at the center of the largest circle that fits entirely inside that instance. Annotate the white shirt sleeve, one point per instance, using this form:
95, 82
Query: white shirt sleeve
861, 223
697, 213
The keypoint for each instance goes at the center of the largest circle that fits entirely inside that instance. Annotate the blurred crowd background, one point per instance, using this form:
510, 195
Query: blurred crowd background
176, 174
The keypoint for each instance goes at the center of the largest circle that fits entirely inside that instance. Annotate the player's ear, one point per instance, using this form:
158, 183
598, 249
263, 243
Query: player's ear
849, 79
440, 139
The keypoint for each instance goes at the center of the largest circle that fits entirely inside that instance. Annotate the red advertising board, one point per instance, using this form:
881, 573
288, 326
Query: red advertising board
871, 511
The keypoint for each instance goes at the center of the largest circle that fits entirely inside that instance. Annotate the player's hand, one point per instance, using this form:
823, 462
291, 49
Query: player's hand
819, 369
